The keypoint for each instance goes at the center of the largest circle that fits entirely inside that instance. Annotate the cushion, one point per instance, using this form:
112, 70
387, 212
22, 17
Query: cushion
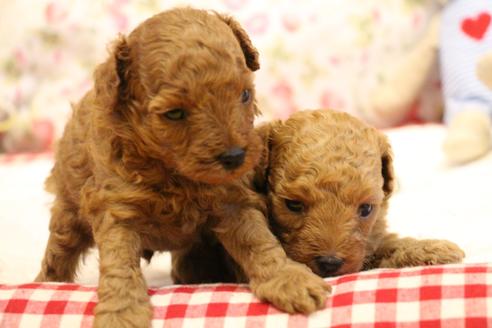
439, 296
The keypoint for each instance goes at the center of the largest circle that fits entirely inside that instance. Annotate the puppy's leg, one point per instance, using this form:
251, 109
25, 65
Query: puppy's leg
69, 239
288, 285
122, 291
395, 252
204, 262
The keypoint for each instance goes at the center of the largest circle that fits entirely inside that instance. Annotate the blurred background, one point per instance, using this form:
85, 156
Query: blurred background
373, 58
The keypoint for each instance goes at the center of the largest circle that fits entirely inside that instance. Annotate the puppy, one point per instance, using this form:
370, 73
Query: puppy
328, 180
160, 149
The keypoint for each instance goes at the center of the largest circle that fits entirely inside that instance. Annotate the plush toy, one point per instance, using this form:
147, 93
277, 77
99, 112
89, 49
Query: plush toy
400, 83
484, 69
466, 66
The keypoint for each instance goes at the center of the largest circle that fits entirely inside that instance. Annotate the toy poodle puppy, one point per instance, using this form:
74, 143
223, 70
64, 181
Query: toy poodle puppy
161, 148
328, 178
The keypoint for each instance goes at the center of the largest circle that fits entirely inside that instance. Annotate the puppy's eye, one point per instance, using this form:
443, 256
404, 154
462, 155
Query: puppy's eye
176, 114
295, 206
245, 96
365, 210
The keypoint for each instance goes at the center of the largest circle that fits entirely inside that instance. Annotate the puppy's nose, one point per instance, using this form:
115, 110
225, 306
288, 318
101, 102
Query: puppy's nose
233, 158
328, 265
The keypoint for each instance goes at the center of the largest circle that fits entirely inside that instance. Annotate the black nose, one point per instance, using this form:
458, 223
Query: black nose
233, 158
328, 265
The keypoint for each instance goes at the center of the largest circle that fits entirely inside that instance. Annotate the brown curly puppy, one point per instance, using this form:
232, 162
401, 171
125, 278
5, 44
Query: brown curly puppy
329, 179
162, 147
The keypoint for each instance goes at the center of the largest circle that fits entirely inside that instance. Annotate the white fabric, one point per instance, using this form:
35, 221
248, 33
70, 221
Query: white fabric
433, 201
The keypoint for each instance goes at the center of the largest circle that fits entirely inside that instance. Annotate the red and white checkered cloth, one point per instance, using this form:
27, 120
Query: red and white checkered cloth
439, 296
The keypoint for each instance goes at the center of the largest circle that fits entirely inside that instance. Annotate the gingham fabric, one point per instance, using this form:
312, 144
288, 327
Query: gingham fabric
438, 296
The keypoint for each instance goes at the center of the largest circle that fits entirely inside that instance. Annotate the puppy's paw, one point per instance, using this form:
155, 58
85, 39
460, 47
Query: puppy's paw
293, 289
425, 252
132, 316
441, 252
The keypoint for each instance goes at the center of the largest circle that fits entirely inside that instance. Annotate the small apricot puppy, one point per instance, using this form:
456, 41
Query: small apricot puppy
160, 149
328, 180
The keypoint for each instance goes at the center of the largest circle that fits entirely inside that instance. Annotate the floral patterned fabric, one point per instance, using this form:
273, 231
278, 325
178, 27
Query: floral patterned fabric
314, 53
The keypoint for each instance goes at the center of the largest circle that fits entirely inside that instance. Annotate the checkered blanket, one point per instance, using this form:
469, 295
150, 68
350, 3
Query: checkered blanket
439, 296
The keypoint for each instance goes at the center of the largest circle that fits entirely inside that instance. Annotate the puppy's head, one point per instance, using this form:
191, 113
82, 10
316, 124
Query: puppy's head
330, 177
179, 89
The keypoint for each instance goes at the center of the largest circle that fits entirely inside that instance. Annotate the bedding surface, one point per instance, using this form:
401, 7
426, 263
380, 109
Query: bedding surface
440, 296
433, 200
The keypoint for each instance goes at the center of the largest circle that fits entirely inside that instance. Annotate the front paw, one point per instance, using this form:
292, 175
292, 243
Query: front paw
293, 289
109, 315
442, 252
425, 252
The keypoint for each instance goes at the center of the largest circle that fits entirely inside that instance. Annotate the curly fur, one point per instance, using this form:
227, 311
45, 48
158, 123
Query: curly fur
333, 163
131, 181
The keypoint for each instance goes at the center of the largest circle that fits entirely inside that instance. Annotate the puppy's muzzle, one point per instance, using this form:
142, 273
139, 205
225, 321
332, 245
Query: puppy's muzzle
233, 158
328, 265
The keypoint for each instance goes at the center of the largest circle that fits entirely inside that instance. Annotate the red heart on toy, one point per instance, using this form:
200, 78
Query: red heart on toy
476, 27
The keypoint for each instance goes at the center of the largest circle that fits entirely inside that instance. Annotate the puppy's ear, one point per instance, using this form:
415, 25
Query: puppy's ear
250, 53
112, 78
266, 131
387, 166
